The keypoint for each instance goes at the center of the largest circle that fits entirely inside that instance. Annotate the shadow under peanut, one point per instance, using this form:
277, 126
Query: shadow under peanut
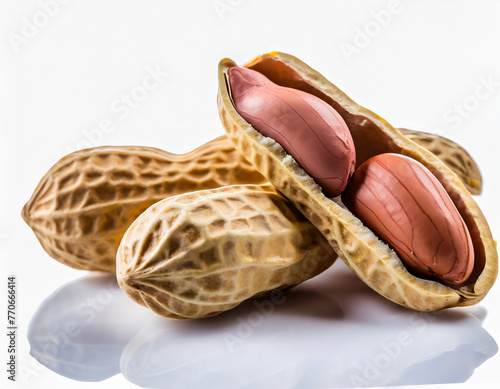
332, 331
80, 330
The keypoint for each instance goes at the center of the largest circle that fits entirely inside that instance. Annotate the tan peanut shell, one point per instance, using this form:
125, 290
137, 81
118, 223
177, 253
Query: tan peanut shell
370, 258
84, 204
202, 253
452, 154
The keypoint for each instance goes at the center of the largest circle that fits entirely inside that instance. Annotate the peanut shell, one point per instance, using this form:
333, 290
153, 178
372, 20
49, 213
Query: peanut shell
202, 253
370, 258
84, 204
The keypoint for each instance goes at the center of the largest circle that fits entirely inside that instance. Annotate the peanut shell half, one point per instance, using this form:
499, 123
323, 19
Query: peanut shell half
370, 258
202, 253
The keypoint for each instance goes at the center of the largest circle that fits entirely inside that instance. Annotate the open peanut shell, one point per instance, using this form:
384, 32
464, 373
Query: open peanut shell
371, 259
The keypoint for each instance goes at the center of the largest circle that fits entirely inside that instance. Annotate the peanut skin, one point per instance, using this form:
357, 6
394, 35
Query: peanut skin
407, 207
309, 129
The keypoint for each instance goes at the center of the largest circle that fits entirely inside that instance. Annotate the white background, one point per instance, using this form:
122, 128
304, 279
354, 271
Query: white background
62, 78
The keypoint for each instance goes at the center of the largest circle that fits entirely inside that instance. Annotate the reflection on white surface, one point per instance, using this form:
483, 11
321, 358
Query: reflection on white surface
81, 329
332, 331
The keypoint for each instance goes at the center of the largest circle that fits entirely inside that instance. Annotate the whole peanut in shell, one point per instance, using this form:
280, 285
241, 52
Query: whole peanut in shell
202, 253
84, 204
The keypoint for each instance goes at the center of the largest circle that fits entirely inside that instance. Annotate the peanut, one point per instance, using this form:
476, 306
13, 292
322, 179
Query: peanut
199, 254
60, 227
408, 208
372, 260
309, 129
84, 204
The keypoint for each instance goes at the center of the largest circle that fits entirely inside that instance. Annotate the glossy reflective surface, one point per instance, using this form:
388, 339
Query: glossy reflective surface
80, 330
332, 331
